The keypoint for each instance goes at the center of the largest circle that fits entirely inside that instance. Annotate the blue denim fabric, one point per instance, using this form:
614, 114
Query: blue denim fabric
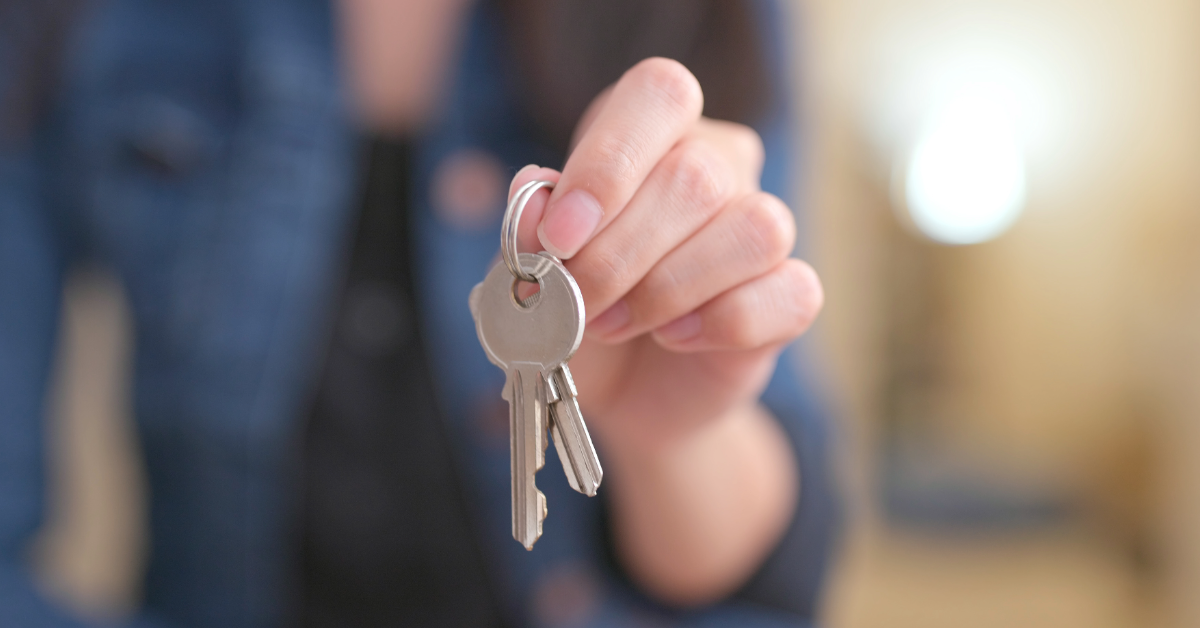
202, 150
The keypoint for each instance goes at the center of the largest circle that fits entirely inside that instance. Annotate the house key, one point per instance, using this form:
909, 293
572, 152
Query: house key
532, 339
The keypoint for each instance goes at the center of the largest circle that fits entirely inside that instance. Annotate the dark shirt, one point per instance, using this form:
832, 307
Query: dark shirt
386, 533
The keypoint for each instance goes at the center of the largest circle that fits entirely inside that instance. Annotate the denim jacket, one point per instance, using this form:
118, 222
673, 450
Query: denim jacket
202, 150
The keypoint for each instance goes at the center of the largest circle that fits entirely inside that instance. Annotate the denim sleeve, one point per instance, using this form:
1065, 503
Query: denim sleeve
30, 283
33, 258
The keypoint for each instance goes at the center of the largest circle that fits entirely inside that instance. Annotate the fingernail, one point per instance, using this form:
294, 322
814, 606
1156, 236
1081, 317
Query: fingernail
681, 329
611, 320
569, 222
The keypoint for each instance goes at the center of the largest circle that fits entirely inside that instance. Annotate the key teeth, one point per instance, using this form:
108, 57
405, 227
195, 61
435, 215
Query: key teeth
564, 457
579, 461
552, 388
525, 391
523, 534
578, 483
541, 512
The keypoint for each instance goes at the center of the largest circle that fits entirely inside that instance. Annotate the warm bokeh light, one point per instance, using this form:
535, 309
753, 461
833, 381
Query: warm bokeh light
965, 179
1023, 418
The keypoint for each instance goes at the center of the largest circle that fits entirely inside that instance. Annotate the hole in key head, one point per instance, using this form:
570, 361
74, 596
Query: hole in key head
526, 293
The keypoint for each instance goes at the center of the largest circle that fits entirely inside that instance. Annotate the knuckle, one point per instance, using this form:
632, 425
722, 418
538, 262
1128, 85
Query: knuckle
770, 226
698, 176
662, 286
605, 271
615, 162
672, 79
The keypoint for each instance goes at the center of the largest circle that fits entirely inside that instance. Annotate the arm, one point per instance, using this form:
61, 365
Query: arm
33, 259
685, 269
693, 517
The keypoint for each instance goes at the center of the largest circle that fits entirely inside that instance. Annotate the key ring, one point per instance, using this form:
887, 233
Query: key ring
508, 229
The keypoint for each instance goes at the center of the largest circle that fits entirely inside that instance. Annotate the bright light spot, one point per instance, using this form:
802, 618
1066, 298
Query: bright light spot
965, 180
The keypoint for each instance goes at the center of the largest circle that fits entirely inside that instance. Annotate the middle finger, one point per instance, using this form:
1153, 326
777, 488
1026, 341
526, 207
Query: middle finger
684, 191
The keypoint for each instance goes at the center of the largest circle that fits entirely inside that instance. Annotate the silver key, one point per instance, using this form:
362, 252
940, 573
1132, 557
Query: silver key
572, 441
529, 339
571, 437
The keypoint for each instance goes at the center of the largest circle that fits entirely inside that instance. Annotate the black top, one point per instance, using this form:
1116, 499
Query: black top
386, 533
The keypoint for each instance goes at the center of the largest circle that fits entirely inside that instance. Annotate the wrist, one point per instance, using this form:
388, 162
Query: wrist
694, 515
638, 440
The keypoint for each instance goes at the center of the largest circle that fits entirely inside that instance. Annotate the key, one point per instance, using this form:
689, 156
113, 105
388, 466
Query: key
530, 340
571, 438
572, 441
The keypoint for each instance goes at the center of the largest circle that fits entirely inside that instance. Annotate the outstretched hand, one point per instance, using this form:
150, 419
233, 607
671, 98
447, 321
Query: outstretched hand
685, 269
682, 259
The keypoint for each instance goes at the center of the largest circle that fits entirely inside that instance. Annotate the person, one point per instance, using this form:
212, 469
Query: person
298, 198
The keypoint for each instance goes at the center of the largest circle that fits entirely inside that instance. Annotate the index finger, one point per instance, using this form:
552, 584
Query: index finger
648, 111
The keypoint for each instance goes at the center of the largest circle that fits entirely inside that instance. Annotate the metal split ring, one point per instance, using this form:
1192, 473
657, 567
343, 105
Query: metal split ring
508, 229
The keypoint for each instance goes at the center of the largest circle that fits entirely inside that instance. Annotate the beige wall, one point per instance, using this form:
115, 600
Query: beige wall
1068, 345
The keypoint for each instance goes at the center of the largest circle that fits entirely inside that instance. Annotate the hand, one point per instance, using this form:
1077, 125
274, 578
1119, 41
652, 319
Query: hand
690, 293
681, 258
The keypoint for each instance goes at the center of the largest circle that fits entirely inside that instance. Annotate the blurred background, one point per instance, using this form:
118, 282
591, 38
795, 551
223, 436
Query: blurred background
1002, 201
1003, 206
